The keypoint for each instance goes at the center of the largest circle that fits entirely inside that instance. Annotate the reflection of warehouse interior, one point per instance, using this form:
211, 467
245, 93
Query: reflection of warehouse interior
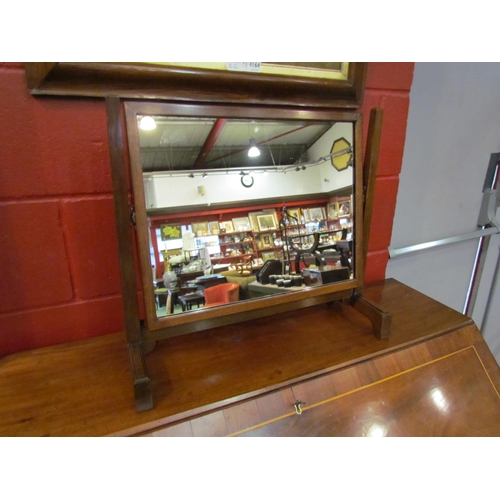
229, 198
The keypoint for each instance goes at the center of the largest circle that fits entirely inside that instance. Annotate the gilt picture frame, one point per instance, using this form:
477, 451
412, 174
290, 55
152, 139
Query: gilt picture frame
226, 226
266, 222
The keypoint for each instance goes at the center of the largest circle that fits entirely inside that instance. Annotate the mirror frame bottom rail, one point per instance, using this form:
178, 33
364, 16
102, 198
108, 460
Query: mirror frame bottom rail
151, 336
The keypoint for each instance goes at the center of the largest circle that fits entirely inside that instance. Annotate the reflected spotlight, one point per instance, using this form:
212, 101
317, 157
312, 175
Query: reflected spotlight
254, 151
147, 123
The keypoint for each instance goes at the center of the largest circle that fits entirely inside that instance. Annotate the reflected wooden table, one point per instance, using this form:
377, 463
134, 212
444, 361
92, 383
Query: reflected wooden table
190, 299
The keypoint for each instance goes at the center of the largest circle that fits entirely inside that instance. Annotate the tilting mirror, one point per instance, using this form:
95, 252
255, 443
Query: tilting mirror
240, 209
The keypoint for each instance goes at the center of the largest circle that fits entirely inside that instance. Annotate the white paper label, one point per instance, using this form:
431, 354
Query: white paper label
253, 67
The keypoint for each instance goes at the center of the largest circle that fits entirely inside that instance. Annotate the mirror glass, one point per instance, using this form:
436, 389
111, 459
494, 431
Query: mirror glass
263, 205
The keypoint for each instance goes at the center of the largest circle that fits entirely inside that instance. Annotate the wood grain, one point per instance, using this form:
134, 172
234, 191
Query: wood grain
450, 396
150, 81
84, 388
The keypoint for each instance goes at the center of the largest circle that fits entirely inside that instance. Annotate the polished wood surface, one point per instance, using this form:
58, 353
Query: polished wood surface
139, 80
448, 386
226, 380
449, 396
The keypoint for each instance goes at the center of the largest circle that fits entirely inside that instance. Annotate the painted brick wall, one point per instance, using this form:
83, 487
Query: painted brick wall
58, 266
387, 87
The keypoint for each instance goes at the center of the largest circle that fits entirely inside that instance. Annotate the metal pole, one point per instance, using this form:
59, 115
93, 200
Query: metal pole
403, 251
477, 270
485, 217
492, 292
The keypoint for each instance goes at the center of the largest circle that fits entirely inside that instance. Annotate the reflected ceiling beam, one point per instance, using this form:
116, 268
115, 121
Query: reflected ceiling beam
262, 142
209, 143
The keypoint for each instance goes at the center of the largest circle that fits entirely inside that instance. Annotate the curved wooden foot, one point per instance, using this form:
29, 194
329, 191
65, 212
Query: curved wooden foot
380, 319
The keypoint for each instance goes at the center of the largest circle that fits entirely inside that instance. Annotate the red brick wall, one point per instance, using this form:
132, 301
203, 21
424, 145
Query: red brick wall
387, 87
59, 276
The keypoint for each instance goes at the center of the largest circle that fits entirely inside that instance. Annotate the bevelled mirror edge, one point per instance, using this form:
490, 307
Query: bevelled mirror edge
202, 319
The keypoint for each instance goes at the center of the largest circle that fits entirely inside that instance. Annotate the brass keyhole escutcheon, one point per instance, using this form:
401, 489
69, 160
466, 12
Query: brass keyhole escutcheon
298, 409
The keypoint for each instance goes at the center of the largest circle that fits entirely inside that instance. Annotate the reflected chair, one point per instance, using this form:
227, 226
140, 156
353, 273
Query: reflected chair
222, 294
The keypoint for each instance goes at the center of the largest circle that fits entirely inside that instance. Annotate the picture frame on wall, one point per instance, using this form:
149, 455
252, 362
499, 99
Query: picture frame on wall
170, 232
344, 207
266, 240
268, 256
200, 228
316, 214
252, 216
266, 222
332, 210
226, 226
272, 211
214, 227
242, 224
294, 215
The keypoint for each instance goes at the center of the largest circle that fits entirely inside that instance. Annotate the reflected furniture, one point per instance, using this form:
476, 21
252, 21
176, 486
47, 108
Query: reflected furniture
243, 281
186, 278
190, 299
161, 297
208, 281
225, 293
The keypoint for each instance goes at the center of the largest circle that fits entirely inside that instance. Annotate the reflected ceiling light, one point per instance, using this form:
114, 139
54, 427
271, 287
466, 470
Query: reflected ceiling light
376, 430
439, 399
147, 123
254, 151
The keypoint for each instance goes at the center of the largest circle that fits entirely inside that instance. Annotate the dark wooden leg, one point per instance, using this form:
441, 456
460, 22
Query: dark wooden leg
116, 132
380, 319
142, 383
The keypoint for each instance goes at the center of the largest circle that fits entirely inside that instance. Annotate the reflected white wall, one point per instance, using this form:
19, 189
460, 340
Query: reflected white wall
183, 191
165, 191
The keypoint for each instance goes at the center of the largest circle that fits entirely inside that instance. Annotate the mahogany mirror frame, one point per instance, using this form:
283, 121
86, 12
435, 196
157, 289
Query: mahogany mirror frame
161, 327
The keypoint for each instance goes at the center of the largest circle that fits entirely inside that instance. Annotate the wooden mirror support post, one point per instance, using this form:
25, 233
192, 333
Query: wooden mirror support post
380, 319
124, 227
